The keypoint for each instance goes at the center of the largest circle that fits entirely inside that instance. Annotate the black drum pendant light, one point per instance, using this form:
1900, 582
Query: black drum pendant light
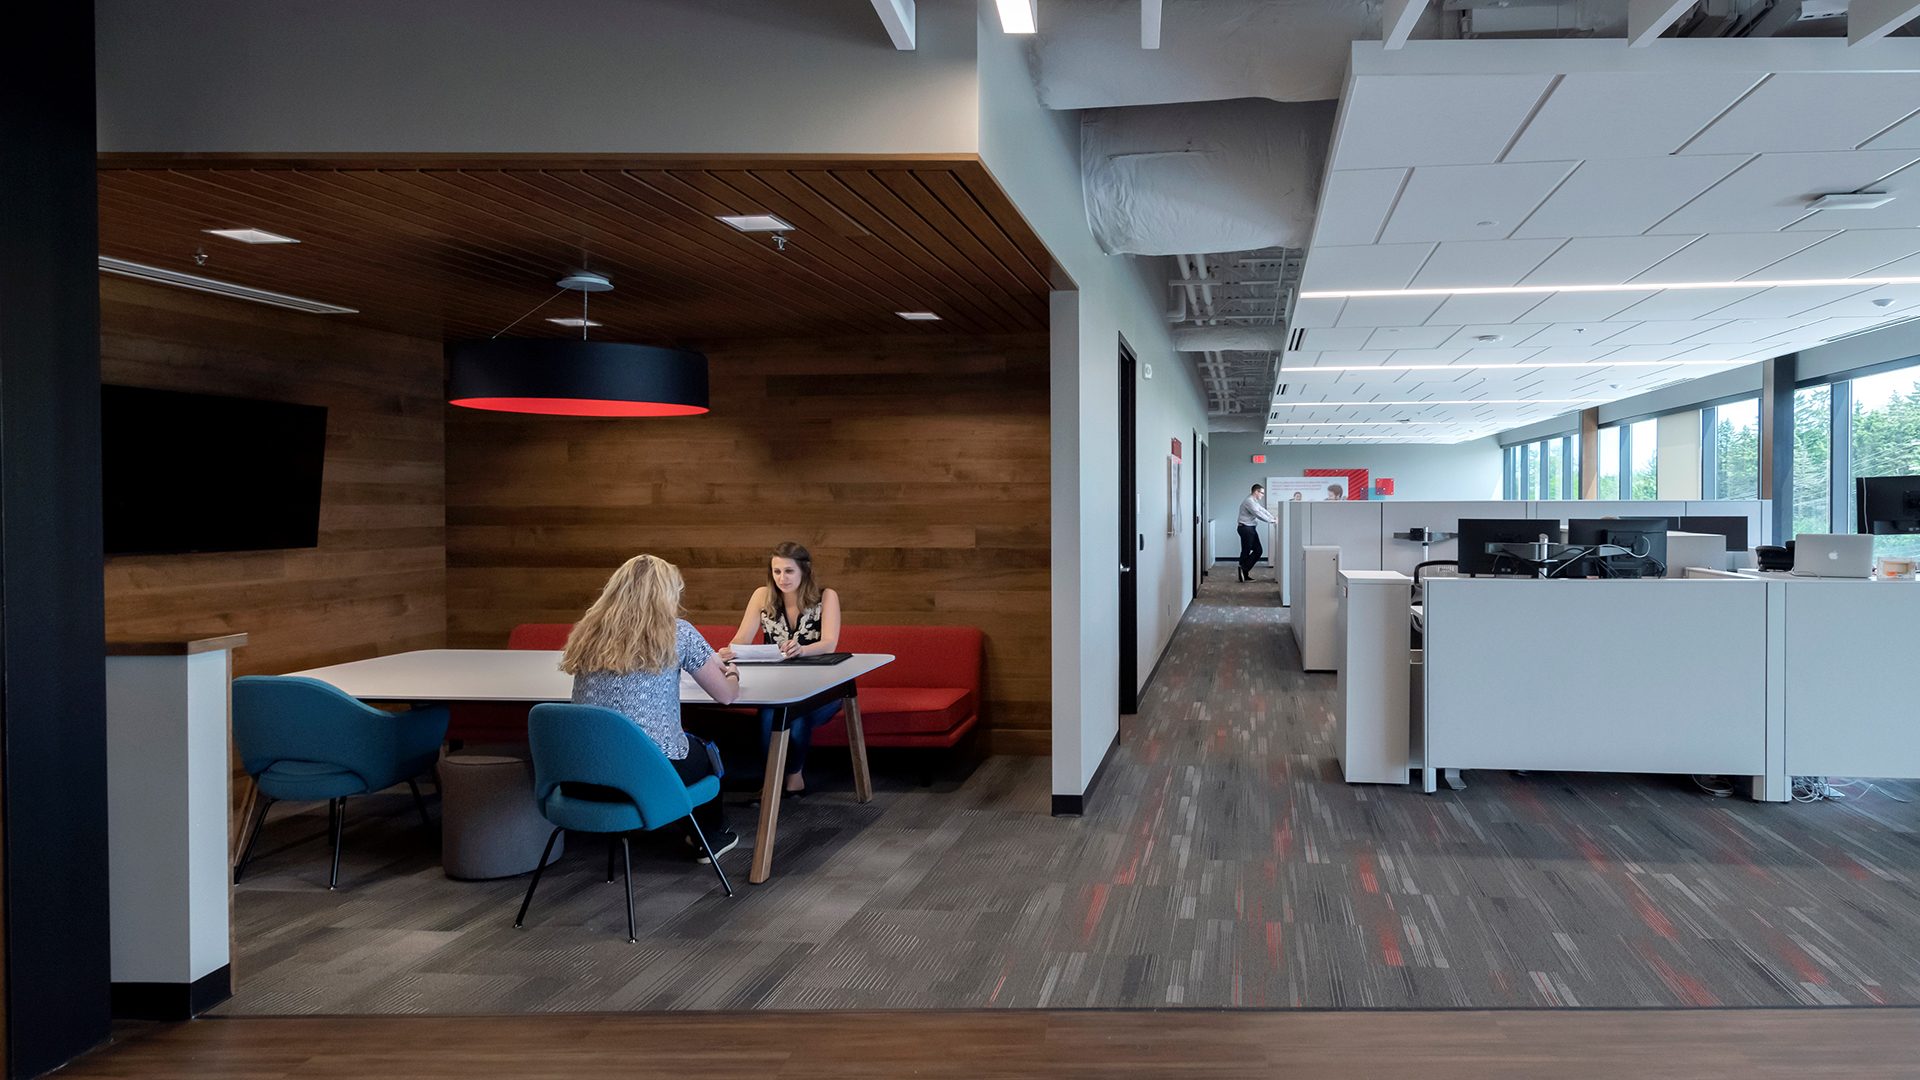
563, 377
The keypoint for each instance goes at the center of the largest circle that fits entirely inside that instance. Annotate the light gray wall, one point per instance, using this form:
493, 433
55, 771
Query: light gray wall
1468, 470
1035, 155
515, 76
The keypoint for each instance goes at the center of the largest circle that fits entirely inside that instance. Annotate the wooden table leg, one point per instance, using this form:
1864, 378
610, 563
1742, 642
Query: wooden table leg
770, 791
857, 747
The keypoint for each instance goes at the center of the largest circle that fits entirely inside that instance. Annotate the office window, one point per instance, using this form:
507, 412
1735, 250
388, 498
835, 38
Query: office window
1573, 466
1643, 439
1530, 471
1609, 464
1884, 441
1812, 460
1735, 454
1552, 477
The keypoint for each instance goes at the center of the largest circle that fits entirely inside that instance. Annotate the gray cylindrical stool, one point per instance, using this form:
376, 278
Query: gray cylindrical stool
490, 827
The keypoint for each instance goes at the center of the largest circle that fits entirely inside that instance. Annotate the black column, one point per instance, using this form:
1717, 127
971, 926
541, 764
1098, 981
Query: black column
1776, 402
52, 694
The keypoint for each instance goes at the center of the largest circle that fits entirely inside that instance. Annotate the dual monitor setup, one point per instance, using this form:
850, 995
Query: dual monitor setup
1589, 547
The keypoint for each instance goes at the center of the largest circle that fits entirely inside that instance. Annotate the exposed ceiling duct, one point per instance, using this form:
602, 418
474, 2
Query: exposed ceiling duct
1210, 50
1217, 338
1215, 176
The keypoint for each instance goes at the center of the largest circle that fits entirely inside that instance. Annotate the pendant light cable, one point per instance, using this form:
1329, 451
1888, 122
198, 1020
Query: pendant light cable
537, 307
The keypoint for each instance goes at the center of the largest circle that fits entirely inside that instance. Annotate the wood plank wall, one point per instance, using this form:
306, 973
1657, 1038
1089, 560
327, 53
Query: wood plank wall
915, 469
377, 582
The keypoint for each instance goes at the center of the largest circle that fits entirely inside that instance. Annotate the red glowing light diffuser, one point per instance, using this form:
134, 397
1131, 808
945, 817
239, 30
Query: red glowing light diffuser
1259, 459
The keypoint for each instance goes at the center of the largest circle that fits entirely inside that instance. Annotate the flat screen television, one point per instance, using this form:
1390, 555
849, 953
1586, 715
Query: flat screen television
199, 472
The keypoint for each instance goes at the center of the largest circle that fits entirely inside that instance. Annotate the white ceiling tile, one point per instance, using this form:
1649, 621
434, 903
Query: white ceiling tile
1856, 251
1353, 356
1462, 310
1378, 266
1603, 260
1861, 305
1903, 135
1773, 190
1828, 329
1640, 354
1317, 312
1678, 304
1428, 356
1660, 333
1802, 111
1433, 119
1449, 202
1410, 337
1744, 331
1325, 338
1388, 310
1626, 114
1728, 256
1585, 306
1567, 354
1783, 303
1626, 197
1355, 204
1573, 335
1504, 335
1468, 263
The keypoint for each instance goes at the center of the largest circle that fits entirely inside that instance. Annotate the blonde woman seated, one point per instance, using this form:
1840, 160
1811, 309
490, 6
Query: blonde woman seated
626, 654
795, 613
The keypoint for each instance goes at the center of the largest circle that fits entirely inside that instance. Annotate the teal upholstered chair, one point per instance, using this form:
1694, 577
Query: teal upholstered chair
595, 771
303, 739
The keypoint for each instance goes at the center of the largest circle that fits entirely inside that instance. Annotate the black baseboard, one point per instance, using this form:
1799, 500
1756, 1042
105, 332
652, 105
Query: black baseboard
172, 1001
1075, 805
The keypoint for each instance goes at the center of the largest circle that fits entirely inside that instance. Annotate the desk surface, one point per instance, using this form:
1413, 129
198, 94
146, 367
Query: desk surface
534, 675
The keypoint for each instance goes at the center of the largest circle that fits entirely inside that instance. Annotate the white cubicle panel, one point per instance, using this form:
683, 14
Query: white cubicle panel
1566, 509
1398, 517
1596, 676
1371, 702
1850, 705
1315, 618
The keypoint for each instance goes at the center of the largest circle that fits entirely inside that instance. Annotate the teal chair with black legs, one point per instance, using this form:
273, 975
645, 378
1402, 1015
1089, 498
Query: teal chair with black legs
595, 771
303, 740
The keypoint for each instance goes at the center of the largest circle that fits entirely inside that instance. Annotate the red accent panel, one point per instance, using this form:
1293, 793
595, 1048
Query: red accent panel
577, 406
1354, 485
539, 635
1383, 485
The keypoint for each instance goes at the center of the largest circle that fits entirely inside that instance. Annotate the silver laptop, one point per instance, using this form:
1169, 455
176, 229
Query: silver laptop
1836, 555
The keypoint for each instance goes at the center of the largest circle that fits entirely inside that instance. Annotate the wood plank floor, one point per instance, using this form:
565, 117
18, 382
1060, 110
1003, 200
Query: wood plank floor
1861, 1044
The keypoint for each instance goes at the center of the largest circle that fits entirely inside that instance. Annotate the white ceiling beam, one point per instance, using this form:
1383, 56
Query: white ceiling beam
1648, 19
1150, 24
897, 15
1868, 20
1397, 18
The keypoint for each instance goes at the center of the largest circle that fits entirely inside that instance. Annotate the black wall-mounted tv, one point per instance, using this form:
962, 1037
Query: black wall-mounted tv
200, 472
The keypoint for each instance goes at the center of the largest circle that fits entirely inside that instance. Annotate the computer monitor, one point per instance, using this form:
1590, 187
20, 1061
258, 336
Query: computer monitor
1646, 537
1887, 505
1476, 533
1733, 528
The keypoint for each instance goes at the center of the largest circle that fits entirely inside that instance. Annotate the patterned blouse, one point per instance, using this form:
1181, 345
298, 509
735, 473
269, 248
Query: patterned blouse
778, 631
650, 699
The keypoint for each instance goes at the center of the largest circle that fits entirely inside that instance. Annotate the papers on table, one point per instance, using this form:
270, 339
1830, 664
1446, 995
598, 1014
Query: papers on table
757, 654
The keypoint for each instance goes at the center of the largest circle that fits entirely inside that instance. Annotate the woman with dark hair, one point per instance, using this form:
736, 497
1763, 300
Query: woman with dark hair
792, 611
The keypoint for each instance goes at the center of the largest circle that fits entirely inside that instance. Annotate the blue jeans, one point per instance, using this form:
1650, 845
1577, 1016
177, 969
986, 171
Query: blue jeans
799, 732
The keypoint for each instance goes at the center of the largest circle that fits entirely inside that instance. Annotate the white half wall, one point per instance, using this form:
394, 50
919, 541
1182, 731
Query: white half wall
508, 76
1034, 153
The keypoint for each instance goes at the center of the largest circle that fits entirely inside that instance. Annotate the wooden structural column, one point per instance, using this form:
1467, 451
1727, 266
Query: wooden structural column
1590, 453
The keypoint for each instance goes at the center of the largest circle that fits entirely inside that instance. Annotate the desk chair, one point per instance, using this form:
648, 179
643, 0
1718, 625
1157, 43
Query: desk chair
303, 739
595, 771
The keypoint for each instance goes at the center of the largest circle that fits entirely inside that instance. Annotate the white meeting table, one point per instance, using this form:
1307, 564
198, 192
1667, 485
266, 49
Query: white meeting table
437, 676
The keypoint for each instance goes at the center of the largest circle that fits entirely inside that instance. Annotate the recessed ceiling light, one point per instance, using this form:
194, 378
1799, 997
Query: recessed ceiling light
1486, 337
918, 316
755, 222
1637, 286
574, 321
251, 236
1487, 222
1857, 200
1881, 301
1017, 16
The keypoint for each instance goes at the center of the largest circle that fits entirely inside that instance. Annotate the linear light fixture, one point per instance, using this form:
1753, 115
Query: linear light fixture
574, 321
918, 316
1437, 401
755, 222
162, 276
1018, 16
1275, 439
1373, 423
251, 236
1339, 368
1640, 286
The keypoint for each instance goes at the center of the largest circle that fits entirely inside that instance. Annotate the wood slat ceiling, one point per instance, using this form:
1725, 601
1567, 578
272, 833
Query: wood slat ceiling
460, 249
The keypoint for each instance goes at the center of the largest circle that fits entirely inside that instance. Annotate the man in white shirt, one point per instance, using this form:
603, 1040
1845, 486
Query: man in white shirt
1252, 511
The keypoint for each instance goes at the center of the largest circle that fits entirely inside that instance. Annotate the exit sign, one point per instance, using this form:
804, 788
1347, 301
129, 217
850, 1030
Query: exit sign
1259, 459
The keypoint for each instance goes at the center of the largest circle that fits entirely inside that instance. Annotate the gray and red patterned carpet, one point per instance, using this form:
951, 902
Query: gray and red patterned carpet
1221, 863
